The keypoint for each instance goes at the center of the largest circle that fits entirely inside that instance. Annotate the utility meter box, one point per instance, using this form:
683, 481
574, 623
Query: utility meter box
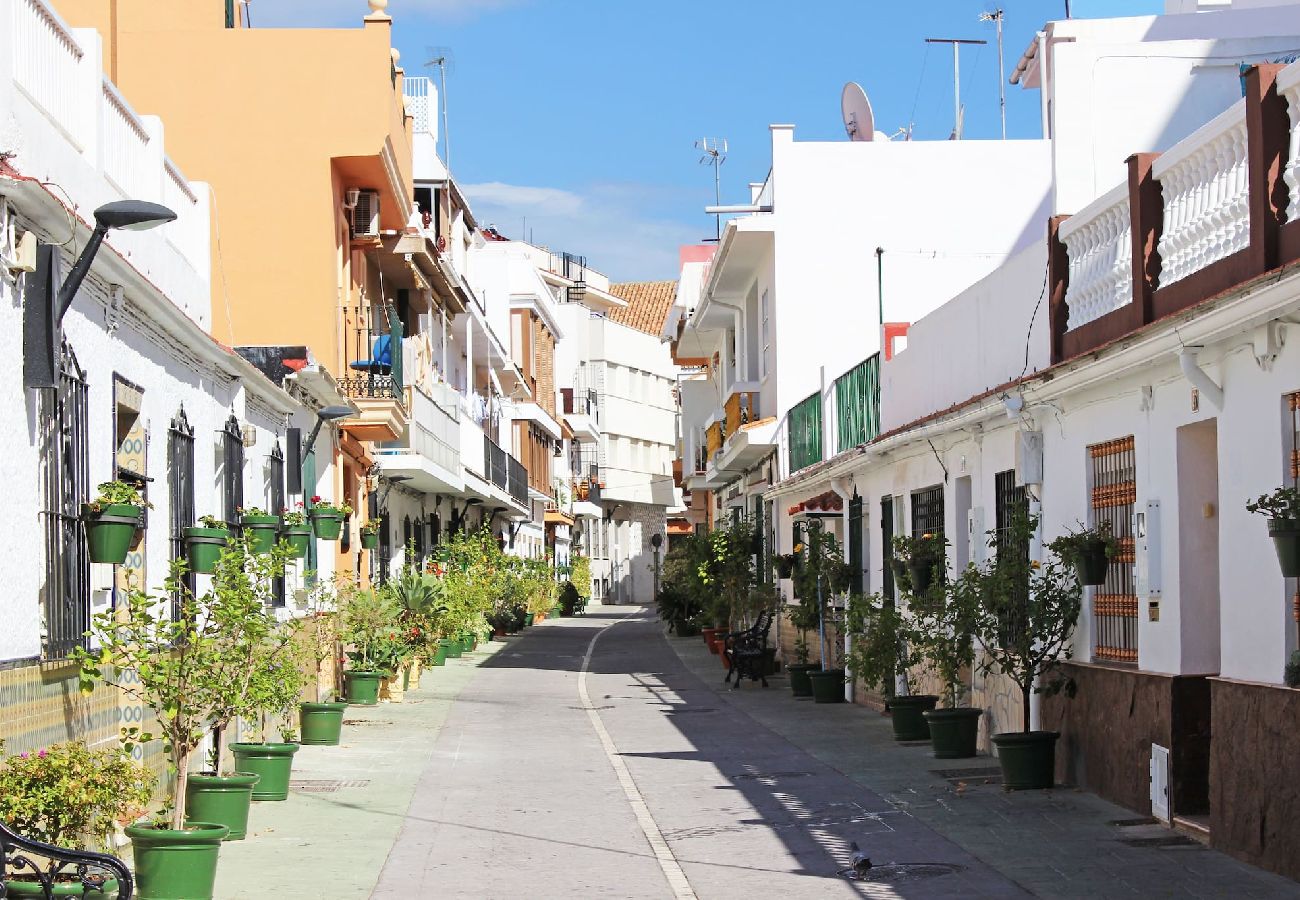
1029, 457
1146, 550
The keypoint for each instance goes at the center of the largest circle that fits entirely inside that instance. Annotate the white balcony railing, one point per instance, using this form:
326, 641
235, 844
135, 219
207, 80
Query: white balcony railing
1205, 184
1288, 85
45, 60
418, 91
1100, 246
433, 433
124, 147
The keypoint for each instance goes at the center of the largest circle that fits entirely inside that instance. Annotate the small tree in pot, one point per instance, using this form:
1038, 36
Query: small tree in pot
884, 652
274, 691
1282, 509
822, 575
805, 617
944, 636
1027, 612
368, 618
321, 721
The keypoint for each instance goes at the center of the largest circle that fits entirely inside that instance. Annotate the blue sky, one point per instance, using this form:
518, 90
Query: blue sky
579, 115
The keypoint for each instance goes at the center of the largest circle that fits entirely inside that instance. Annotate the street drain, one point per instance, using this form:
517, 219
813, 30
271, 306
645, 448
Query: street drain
366, 722
673, 711
766, 775
326, 786
901, 872
1173, 840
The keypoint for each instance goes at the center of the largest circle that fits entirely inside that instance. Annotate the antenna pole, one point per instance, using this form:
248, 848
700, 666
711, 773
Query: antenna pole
446, 131
715, 154
717, 197
996, 17
956, 79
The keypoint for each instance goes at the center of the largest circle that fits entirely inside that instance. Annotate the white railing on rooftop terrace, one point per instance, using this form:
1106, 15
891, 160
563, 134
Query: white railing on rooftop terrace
1205, 185
46, 56
765, 195
1288, 85
124, 145
418, 93
432, 433
1100, 246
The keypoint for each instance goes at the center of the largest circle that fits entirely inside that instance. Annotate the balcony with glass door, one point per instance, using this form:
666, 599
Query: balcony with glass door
373, 378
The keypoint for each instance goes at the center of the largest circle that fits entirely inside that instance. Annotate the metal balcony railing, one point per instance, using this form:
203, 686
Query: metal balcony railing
517, 479
373, 338
503, 470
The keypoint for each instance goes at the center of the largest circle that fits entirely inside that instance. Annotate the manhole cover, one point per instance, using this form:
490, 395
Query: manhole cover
902, 872
1173, 840
325, 786
366, 722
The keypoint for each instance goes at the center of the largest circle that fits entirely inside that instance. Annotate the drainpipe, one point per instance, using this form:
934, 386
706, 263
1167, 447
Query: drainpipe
1200, 380
840, 488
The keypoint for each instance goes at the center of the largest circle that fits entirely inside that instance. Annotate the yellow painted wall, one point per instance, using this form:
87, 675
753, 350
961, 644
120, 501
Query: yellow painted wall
279, 122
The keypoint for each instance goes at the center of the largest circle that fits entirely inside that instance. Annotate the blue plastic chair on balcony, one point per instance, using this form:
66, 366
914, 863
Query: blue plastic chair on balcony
381, 357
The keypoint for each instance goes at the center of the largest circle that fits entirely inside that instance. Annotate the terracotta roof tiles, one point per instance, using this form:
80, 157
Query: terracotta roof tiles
647, 307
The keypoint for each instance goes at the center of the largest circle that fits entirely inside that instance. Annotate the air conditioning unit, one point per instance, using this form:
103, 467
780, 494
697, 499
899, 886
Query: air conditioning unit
365, 215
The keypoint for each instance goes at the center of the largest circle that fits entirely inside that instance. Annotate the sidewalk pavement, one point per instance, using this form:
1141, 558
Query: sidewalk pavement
347, 803
1064, 843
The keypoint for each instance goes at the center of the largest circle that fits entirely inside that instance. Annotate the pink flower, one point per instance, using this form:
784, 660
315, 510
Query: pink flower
42, 754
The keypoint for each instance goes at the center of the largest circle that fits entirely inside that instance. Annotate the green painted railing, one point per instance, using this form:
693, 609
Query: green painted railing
857, 404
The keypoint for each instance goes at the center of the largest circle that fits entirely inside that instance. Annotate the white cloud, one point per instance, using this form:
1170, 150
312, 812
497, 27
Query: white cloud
613, 225
317, 13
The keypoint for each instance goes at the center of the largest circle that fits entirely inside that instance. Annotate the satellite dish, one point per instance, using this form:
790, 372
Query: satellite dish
858, 119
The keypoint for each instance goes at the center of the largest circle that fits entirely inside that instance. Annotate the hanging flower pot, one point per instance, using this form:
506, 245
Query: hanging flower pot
112, 520
204, 544
1092, 562
1286, 542
369, 538
920, 571
786, 564
295, 529
262, 530
327, 520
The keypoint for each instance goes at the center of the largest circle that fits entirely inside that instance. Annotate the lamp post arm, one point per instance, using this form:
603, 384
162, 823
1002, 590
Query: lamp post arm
79, 269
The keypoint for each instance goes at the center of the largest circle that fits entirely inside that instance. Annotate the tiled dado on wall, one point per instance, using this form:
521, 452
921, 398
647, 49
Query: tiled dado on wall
42, 704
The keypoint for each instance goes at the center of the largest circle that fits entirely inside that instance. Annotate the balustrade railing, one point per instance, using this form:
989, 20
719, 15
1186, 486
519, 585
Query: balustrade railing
1100, 246
1204, 181
418, 92
45, 61
124, 146
1288, 85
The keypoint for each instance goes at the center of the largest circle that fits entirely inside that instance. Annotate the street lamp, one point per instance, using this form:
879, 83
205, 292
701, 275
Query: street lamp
656, 541
126, 215
328, 414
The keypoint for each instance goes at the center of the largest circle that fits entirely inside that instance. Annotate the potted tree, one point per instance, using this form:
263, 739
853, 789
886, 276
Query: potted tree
180, 668
370, 533
883, 653
261, 528
944, 637
111, 521
1027, 611
321, 721
1088, 550
327, 518
1282, 509
65, 795
805, 617
204, 544
822, 575
368, 617
295, 529
275, 689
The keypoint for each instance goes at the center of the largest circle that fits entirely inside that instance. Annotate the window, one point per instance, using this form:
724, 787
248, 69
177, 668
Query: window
65, 470
927, 511
232, 471
857, 404
275, 472
1009, 501
1114, 604
804, 427
180, 492
764, 332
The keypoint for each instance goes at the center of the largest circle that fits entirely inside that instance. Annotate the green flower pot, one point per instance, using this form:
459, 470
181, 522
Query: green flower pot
1286, 541
451, 647
529, 620
1028, 759
203, 547
176, 865
467, 641
557, 612
800, 683
327, 525
321, 724
954, 733
827, 685
273, 762
299, 538
908, 719
362, 687
370, 539
220, 800
63, 889
111, 531
262, 531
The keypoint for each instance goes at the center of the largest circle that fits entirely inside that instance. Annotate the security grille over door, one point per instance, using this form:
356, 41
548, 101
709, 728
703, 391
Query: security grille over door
180, 491
275, 471
1294, 402
232, 471
1114, 604
65, 452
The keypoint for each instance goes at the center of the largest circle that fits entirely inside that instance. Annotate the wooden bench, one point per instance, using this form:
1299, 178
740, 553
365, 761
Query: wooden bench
746, 651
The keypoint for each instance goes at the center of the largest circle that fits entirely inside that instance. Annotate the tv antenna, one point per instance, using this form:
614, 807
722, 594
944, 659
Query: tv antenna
996, 17
442, 58
715, 154
958, 113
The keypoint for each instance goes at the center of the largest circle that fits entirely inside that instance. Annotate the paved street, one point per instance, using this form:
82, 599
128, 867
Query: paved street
708, 793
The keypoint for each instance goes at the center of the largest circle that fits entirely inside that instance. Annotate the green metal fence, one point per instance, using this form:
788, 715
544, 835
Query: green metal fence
804, 428
857, 404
